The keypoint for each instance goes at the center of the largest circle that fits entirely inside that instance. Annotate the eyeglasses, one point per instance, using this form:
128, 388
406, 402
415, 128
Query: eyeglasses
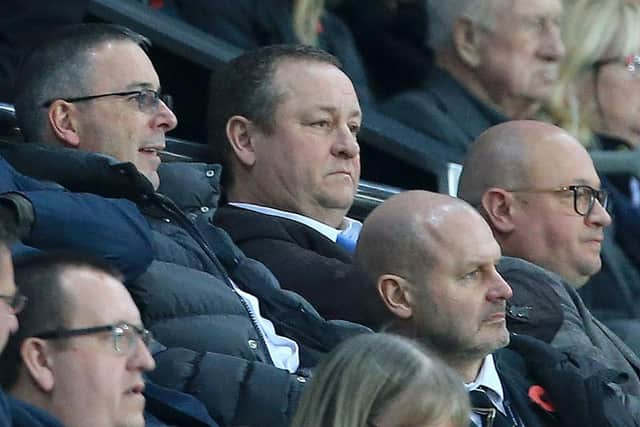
584, 197
124, 335
16, 301
631, 62
148, 100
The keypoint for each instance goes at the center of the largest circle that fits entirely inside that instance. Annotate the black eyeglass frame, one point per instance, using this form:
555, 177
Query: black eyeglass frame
157, 97
145, 335
602, 196
17, 301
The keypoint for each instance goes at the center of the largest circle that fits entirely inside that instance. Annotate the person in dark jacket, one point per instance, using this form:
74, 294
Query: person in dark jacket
231, 336
48, 217
436, 273
291, 167
494, 62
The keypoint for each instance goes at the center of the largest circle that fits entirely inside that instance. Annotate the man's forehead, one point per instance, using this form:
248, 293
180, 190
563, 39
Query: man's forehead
97, 298
550, 8
122, 65
559, 160
464, 238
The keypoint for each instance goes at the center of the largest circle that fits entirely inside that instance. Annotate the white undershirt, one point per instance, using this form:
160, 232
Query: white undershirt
488, 379
284, 352
324, 229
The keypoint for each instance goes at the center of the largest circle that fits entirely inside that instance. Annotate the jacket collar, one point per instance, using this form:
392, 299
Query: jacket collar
474, 116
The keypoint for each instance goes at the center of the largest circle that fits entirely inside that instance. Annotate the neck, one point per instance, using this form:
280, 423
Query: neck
513, 107
468, 369
331, 217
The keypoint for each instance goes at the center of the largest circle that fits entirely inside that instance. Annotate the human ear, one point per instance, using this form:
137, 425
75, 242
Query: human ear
466, 41
395, 293
499, 208
61, 117
35, 354
239, 135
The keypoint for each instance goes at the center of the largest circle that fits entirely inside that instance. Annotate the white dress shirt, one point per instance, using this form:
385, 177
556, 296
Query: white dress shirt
489, 380
324, 229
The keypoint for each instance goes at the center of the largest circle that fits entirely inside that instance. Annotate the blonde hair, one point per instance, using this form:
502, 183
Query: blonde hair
306, 18
591, 30
366, 375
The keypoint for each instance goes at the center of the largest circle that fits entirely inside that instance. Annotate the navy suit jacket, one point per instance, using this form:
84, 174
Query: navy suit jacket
307, 262
444, 110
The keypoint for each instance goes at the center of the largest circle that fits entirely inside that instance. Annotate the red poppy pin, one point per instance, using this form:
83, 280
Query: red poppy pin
539, 396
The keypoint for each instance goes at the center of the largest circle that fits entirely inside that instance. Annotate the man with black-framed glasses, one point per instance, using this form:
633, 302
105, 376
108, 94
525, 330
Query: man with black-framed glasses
537, 187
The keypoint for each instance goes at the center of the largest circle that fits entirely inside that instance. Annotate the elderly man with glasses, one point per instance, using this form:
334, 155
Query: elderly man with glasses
538, 189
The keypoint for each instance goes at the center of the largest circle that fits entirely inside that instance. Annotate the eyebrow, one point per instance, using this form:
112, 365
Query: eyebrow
329, 109
581, 181
142, 85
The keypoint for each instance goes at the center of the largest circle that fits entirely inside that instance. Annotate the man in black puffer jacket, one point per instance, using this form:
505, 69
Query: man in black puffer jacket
233, 338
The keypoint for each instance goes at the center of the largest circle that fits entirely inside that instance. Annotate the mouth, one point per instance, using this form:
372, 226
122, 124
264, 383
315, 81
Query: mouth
137, 389
150, 150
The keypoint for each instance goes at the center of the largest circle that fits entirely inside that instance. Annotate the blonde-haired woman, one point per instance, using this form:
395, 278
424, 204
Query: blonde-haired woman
383, 380
598, 90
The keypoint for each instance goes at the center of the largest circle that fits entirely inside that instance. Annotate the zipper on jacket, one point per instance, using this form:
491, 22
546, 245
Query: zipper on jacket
197, 236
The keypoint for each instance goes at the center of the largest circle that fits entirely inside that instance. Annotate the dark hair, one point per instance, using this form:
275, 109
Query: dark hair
59, 68
244, 87
39, 279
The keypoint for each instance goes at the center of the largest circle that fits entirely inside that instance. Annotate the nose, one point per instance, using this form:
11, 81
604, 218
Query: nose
499, 289
13, 323
551, 46
346, 144
598, 216
164, 118
141, 359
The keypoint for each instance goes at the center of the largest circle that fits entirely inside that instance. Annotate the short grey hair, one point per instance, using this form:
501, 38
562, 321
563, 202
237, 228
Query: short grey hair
442, 16
61, 68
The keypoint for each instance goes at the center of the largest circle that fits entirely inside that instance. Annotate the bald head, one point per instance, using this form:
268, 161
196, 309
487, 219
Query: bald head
405, 231
512, 155
528, 179
433, 257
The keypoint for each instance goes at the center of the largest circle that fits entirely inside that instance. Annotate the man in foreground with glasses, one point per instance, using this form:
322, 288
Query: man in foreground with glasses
436, 274
538, 189
81, 351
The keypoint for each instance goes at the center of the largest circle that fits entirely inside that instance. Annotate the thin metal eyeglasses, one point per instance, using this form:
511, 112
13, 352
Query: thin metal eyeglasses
584, 197
16, 301
632, 62
125, 335
148, 100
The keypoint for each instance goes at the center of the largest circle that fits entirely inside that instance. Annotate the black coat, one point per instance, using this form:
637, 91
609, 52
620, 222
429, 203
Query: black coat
307, 262
446, 111
577, 401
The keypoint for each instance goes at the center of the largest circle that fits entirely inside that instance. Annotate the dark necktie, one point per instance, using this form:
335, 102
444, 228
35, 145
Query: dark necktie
489, 414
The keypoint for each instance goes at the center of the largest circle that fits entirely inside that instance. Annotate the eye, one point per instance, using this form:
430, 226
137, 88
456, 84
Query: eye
321, 124
472, 275
355, 129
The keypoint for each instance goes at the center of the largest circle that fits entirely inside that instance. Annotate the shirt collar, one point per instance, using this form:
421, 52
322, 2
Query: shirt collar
489, 380
324, 229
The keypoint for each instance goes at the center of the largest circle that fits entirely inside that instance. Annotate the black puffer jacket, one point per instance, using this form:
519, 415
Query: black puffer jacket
213, 350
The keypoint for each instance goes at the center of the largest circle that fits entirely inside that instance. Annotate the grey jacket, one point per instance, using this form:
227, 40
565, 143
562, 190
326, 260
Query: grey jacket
540, 296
